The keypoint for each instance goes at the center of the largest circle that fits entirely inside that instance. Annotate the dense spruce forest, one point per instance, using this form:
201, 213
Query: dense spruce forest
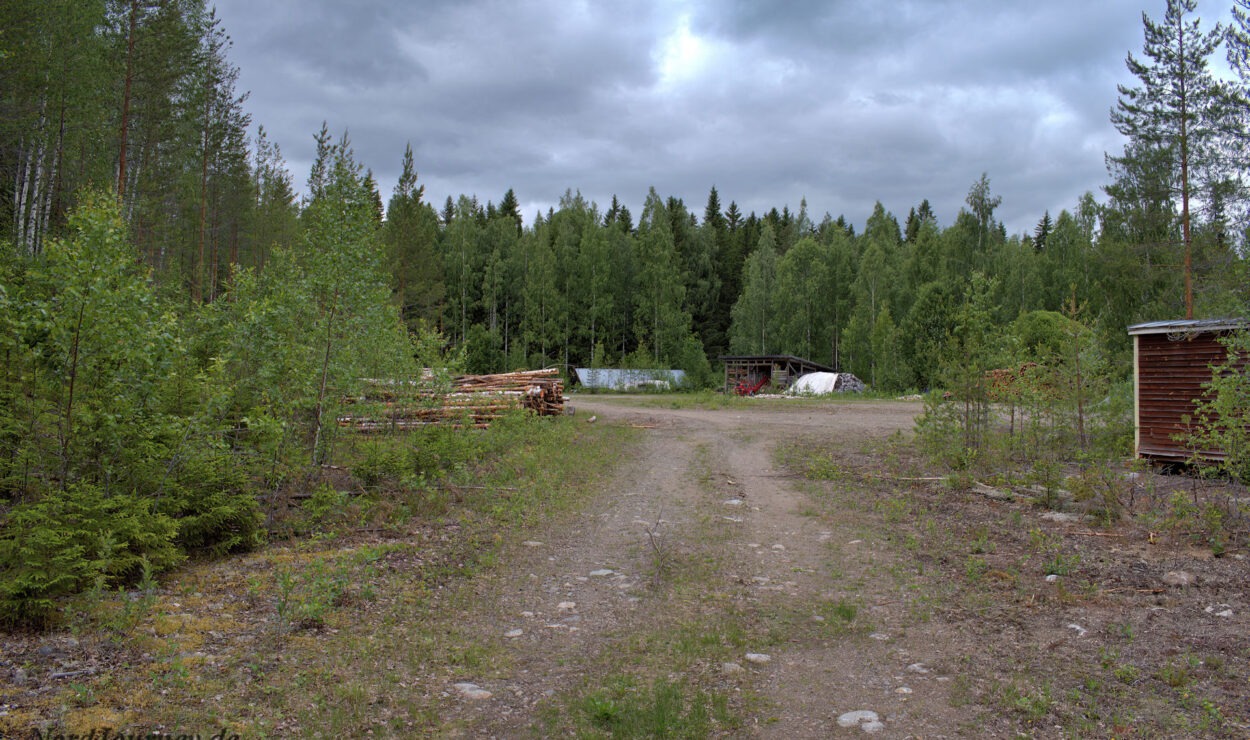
178, 326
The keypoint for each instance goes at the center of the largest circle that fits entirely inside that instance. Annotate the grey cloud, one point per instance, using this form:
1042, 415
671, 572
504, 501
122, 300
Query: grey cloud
844, 102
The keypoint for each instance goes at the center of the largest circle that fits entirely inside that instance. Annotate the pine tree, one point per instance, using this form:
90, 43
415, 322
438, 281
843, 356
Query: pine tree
221, 159
274, 219
1178, 112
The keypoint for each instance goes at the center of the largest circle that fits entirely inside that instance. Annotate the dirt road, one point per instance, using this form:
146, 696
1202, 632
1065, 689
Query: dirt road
703, 531
772, 569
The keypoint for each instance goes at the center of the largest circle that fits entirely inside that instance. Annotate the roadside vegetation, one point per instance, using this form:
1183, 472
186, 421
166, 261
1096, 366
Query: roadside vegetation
330, 627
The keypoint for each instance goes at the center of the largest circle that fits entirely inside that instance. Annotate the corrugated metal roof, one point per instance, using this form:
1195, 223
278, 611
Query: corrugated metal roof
600, 377
1187, 326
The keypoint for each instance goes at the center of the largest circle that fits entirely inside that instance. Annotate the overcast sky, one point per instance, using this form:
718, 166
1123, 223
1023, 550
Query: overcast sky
841, 102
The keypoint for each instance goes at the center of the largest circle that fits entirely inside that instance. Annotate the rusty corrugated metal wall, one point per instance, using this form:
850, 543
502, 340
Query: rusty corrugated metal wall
1171, 372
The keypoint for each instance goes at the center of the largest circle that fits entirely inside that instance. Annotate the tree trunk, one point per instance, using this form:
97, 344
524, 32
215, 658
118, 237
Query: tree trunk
130, 73
1182, 92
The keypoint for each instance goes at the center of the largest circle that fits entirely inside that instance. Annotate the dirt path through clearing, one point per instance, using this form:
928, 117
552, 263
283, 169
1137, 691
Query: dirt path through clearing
707, 496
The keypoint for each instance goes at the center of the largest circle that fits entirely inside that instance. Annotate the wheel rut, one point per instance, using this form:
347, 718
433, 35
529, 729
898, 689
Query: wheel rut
704, 490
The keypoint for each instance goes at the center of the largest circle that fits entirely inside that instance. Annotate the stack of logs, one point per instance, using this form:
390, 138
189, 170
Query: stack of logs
474, 400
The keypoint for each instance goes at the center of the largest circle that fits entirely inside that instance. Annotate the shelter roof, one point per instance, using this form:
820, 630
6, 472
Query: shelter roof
1187, 326
777, 358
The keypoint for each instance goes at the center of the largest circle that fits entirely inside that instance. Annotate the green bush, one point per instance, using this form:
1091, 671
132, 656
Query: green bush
386, 463
208, 496
75, 538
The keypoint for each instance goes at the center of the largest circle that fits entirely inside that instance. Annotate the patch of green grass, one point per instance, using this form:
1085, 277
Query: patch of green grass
811, 461
1176, 674
975, 569
1031, 703
894, 510
625, 708
838, 615
980, 541
1061, 564
1126, 673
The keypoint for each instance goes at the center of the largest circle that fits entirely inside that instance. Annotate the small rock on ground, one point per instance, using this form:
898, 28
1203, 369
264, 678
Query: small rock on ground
1220, 610
1179, 578
472, 691
867, 720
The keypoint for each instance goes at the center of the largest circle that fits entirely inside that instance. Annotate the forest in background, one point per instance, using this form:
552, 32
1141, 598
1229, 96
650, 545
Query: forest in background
178, 328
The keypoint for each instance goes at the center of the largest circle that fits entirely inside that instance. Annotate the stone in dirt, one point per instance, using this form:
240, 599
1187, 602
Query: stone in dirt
1061, 516
867, 720
917, 668
601, 572
514, 633
731, 667
566, 606
472, 691
758, 658
1220, 610
1179, 578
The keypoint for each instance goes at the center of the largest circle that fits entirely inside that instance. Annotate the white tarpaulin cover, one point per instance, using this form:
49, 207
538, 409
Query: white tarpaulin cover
819, 384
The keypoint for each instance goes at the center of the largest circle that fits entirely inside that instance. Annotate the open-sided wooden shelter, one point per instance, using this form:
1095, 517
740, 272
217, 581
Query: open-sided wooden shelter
777, 370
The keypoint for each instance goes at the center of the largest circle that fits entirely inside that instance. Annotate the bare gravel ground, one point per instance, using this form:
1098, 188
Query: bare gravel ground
707, 490
871, 585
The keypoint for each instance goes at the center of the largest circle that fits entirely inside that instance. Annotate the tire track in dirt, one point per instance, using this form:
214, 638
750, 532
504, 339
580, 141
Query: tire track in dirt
580, 589
585, 588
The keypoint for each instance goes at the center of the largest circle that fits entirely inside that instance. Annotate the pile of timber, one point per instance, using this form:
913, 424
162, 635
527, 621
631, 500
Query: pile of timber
472, 400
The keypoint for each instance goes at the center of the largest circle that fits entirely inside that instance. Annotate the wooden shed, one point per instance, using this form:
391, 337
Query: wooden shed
778, 370
1172, 363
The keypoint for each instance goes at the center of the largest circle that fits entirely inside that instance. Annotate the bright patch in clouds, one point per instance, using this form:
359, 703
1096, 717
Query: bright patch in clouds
682, 56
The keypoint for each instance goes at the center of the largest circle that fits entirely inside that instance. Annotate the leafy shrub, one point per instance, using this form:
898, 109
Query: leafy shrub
1222, 416
74, 538
1101, 491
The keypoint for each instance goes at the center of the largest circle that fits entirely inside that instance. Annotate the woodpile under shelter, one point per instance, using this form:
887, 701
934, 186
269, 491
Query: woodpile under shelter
756, 371
1172, 363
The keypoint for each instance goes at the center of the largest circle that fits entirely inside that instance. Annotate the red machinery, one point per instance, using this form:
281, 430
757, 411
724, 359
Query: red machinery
743, 389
